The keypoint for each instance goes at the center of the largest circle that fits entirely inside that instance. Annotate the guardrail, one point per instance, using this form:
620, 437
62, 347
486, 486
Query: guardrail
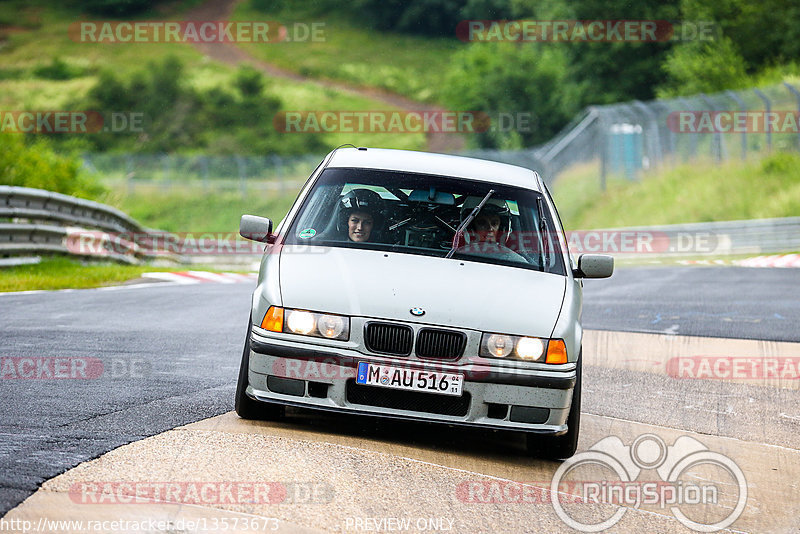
52, 222
723, 238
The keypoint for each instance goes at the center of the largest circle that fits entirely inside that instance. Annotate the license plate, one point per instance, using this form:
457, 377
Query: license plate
387, 376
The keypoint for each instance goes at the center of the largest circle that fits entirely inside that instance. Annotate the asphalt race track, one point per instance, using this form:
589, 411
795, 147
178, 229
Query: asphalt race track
168, 355
735, 302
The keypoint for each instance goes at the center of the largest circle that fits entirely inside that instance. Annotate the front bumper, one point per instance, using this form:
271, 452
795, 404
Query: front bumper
289, 370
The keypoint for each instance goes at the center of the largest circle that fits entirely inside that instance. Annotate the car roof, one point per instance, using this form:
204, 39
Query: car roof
438, 164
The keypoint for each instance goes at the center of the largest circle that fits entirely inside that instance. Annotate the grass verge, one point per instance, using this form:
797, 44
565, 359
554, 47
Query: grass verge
196, 211
700, 192
64, 273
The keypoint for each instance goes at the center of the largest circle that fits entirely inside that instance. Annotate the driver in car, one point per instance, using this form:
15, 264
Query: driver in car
489, 230
486, 226
359, 213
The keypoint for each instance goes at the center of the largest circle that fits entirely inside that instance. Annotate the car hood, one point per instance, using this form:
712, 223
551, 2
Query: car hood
453, 293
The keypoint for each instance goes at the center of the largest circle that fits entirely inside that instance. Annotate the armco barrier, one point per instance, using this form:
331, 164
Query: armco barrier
41, 205
43, 221
753, 236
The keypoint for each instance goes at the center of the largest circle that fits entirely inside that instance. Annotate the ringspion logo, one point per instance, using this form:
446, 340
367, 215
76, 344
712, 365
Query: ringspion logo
690, 478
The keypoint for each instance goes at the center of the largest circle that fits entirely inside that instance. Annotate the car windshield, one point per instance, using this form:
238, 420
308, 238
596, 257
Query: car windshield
419, 214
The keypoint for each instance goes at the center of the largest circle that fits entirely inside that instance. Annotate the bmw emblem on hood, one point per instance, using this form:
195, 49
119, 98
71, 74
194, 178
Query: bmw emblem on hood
419, 312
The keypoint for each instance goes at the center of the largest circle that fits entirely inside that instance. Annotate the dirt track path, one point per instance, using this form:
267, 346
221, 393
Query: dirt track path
231, 54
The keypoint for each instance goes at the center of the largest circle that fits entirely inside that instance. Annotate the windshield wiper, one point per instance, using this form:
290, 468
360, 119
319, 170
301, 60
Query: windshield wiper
543, 254
465, 223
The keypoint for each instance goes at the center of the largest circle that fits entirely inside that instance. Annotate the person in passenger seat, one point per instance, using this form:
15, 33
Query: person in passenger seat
359, 226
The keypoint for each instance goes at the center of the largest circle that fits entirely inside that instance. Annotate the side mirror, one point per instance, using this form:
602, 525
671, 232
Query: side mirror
256, 228
594, 266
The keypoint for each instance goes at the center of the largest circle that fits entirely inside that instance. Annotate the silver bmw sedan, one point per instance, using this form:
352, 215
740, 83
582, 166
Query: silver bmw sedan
420, 286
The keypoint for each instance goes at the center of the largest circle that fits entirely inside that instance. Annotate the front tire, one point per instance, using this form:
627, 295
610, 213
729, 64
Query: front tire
246, 407
563, 446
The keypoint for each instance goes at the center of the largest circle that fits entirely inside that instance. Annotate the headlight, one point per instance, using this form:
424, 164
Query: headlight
530, 349
499, 346
330, 326
306, 323
300, 322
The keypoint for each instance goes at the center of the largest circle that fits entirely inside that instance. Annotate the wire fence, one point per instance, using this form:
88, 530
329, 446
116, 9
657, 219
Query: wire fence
632, 138
620, 140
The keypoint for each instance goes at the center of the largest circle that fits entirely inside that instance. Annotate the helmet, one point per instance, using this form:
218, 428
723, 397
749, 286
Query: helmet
493, 206
360, 200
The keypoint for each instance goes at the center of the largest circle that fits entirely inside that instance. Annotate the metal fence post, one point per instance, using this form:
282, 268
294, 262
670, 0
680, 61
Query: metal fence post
716, 146
129, 174
204, 168
796, 93
665, 145
241, 165
166, 183
671, 127
693, 138
768, 105
742, 107
603, 136
277, 163
653, 141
